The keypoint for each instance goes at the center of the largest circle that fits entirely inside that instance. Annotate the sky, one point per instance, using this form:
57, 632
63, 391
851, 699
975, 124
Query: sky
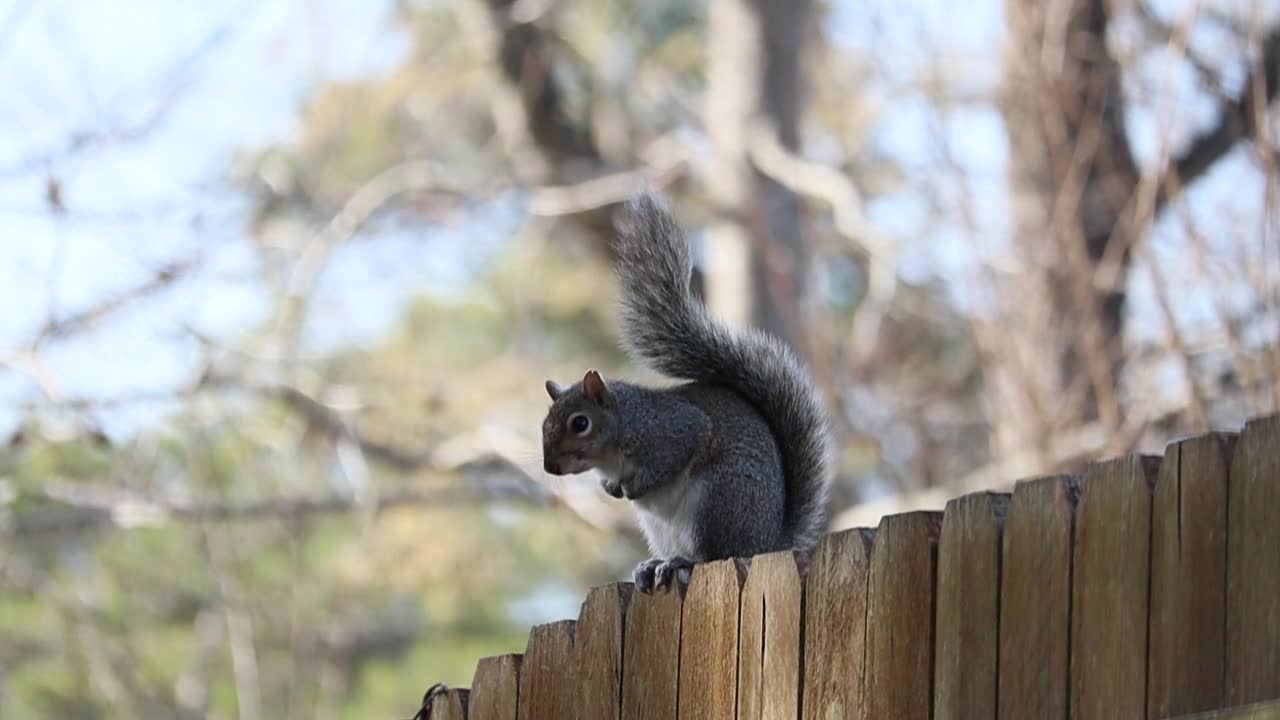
229, 76
202, 82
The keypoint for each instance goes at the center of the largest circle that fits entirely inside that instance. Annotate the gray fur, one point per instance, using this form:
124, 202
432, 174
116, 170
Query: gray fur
665, 326
733, 462
698, 462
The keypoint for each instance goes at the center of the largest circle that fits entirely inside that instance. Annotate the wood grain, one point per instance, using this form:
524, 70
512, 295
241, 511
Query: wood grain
1186, 661
769, 639
1257, 711
546, 675
651, 655
598, 652
899, 667
1111, 570
1253, 565
966, 665
495, 689
1035, 596
450, 705
835, 626
709, 642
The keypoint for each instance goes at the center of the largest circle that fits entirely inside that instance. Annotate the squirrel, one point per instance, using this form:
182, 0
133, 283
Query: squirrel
732, 463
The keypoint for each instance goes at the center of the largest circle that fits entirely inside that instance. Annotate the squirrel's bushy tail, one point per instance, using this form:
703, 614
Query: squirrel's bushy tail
665, 326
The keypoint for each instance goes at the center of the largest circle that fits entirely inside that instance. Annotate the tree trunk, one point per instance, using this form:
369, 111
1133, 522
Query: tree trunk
1072, 178
757, 260
1077, 215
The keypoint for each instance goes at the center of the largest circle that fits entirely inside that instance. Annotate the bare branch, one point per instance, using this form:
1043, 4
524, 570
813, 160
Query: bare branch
413, 176
811, 179
56, 328
1236, 121
80, 508
241, 644
1068, 448
324, 418
173, 87
668, 164
35, 368
1177, 36
508, 111
1177, 342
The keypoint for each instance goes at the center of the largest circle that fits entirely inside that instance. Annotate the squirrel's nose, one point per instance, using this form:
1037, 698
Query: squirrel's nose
551, 466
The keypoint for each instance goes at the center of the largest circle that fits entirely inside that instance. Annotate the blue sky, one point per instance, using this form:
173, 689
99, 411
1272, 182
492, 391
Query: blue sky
229, 75
233, 74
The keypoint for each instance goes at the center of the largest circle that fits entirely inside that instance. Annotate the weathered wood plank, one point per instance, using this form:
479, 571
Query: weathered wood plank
450, 705
598, 652
1035, 596
495, 689
966, 665
1111, 570
1186, 662
709, 642
835, 626
769, 639
546, 675
651, 655
900, 617
1256, 711
1253, 565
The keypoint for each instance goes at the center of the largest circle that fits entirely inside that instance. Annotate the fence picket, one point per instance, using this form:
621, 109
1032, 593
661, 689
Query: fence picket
450, 705
709, 642
769, 639
651, 655
1035, 594
1253, 565
900, 617
966, 664
495, 689
835, 626
546, 675
1111, 570
598, 652
1186, 663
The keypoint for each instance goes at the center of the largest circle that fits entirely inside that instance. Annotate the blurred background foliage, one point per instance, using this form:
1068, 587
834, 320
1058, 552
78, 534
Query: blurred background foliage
283, 282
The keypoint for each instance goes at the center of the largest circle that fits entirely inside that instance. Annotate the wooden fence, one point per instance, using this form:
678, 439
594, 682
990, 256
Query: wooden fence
1146, 588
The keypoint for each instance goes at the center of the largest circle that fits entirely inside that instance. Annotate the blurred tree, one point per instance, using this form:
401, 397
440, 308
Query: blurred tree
1081, 206
757, 249
323, 522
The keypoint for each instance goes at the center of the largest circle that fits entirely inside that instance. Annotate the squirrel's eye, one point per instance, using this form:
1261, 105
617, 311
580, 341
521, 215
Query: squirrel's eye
579, 424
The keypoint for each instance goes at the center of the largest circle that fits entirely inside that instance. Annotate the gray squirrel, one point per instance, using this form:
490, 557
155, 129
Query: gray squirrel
732, 463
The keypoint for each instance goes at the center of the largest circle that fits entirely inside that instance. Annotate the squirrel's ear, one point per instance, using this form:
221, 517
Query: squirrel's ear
554, 389
594, 386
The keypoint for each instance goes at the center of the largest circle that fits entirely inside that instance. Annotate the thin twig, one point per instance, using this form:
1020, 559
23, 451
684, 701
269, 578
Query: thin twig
82, 508
412, 176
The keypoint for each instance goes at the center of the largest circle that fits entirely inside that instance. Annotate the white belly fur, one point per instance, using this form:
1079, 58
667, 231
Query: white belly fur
667, 518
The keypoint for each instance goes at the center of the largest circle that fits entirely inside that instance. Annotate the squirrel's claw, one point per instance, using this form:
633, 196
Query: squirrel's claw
671, 570
644, 574
657, 573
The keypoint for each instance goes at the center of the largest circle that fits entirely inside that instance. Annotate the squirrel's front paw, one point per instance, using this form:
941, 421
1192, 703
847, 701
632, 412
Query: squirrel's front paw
656, 573
677, 568
645, 573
